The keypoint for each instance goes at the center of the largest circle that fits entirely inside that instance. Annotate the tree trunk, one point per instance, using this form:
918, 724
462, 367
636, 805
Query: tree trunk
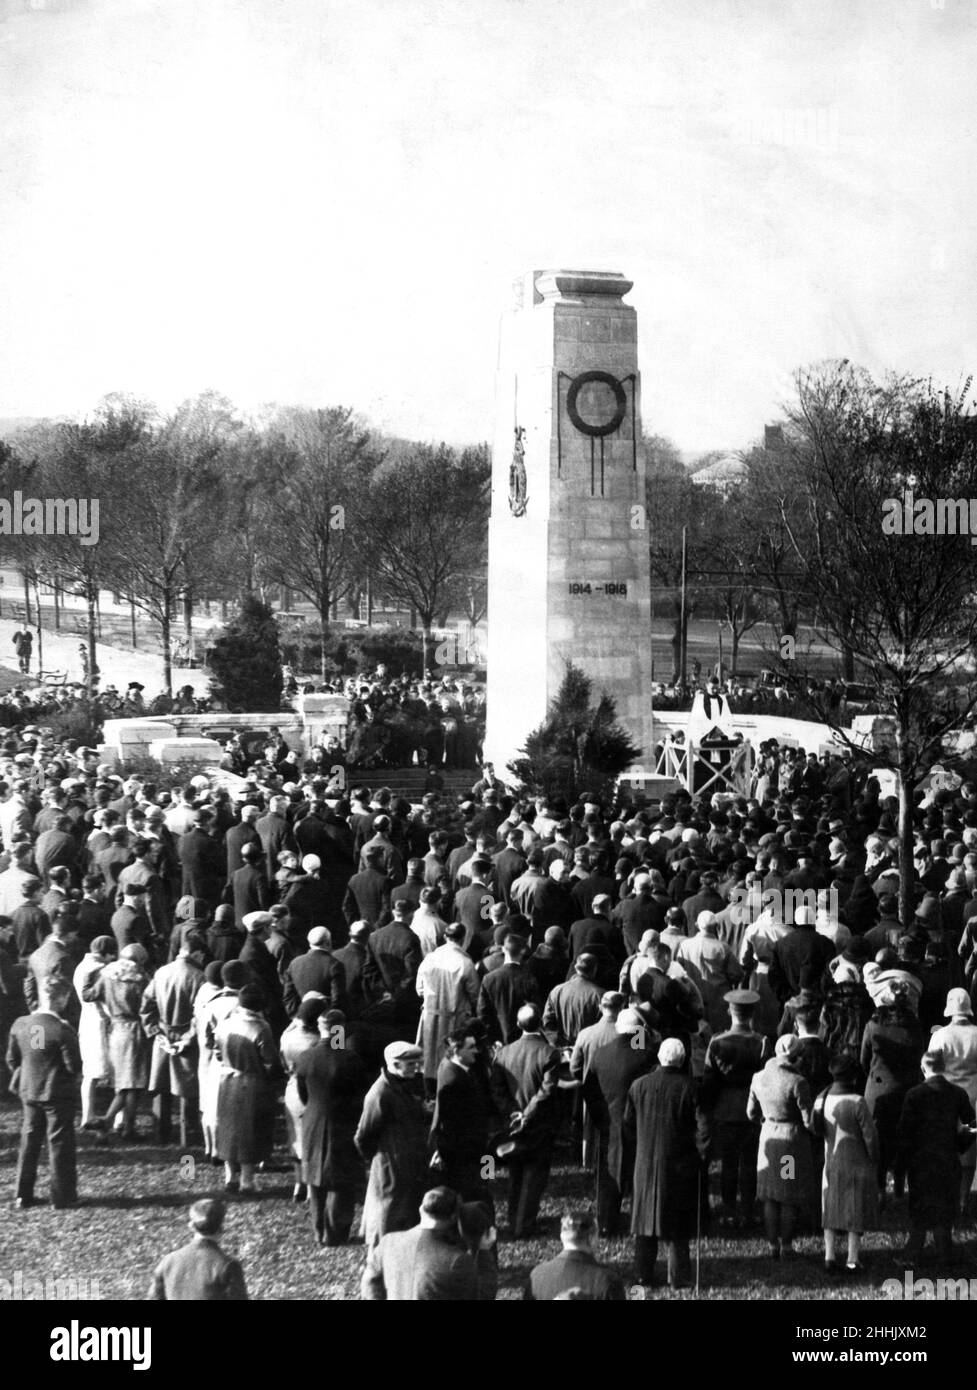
27, 600
57, 608
165, 633
91, 599
40, 630
734, 648
906, 864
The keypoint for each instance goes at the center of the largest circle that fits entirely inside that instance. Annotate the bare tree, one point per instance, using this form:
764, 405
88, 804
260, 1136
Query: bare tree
863, 458
320, 463
426, 524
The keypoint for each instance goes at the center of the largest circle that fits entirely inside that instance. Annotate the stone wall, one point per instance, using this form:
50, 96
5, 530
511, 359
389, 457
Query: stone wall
316, 717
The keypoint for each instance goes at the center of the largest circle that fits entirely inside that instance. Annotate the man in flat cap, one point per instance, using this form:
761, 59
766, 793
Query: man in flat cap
392, 1137
200, 1271
732, 1060
575, 1271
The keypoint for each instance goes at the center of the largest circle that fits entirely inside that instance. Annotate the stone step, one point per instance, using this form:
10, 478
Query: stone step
409, 781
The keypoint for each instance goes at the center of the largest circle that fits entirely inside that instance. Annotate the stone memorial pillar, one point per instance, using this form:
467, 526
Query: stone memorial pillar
568, 566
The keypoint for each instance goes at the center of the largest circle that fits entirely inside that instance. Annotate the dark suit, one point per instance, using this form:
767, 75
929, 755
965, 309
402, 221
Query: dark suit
275, 835
503, 993
249, 890
395, 958
367, 897
310, 904
317, 970
110, 863
200, 1273
472, 911
259, 960
43, 1053
92, 920
637, 915
460, 1130
331, 1084
203, 867
237, 837
803, 952
931, 1115
419, 1266
612, 1070
312, 837
31, 927
574, 1269
524, 1078
354, 959
54, 848
508, 866
131, 927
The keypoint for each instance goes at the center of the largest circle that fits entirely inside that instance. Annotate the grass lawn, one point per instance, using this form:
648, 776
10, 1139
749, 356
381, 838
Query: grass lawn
134, 1199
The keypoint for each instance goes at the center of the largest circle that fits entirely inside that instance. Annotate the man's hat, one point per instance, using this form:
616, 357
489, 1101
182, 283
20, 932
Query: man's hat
742, 998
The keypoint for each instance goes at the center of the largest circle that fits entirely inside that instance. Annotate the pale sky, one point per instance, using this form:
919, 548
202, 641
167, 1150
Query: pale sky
326, 201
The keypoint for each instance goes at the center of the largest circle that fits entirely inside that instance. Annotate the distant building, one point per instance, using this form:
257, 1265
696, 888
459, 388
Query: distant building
723, 475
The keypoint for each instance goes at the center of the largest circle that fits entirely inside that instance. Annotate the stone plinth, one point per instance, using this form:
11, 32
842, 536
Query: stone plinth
195, 752
569, 571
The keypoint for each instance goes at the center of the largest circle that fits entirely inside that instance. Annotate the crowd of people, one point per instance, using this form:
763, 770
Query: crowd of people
426, 997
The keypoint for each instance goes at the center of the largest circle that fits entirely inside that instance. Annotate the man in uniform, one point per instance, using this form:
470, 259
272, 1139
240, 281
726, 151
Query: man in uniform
732, 1059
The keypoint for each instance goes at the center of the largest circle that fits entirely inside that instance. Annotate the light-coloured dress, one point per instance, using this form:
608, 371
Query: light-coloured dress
295, 1040
781, 1098
209, 1013
850, 1186
93, 1027
119, 987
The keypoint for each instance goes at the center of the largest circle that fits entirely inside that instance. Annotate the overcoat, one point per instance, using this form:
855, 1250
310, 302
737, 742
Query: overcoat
331, 1084
660, 1119
392, 1137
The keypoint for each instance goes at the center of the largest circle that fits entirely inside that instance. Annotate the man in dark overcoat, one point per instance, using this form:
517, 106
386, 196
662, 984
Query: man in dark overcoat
331, 1083
612, 1071
660, 1119
932, 1132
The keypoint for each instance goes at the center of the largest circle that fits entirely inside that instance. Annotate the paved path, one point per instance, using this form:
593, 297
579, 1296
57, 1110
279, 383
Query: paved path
117, 667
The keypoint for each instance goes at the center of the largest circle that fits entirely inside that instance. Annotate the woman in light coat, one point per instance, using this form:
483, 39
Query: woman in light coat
849, 1189
301, 1034
119, 988
781, 1097
94, 1028
208, 1015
